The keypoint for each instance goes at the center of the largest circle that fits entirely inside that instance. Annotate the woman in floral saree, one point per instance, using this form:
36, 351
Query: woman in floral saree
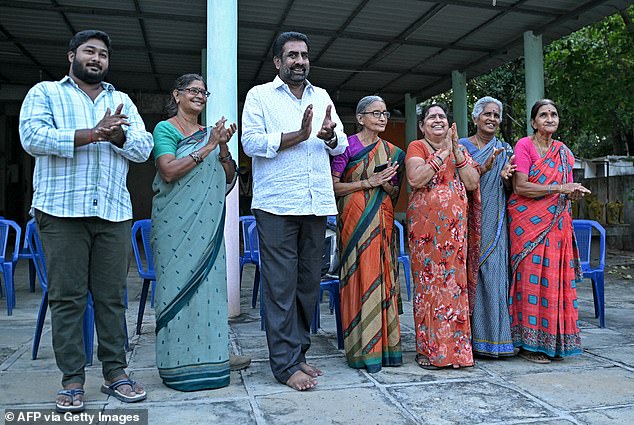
194, 168
444, 254
544, 258
366, 179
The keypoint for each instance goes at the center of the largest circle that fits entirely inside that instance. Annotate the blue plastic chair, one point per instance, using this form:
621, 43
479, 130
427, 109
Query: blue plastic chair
332, 286
8, 260
403, 257
583, 234
26, 254
145, 265
37, 254
249, 254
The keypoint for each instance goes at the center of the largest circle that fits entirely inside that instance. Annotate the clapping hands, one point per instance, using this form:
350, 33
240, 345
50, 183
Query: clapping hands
221, 134
110, 127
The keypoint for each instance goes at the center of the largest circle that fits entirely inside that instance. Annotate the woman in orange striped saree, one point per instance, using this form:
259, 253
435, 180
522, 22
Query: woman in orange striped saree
366, 179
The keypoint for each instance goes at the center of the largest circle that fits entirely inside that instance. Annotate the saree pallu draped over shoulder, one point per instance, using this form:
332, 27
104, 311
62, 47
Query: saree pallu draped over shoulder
191, 292
545, 263
370, 291
490, 321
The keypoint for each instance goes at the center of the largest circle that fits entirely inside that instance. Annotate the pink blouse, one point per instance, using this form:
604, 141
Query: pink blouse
526, 155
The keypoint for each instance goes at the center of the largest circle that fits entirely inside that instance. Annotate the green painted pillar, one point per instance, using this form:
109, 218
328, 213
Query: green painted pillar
221, 74
411, 120
459, 86
534, 73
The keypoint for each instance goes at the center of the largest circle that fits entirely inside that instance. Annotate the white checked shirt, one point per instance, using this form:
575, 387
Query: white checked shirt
297, 180
88, 181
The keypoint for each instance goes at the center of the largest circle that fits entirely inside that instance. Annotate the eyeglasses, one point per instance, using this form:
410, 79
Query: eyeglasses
196, 91
377, 114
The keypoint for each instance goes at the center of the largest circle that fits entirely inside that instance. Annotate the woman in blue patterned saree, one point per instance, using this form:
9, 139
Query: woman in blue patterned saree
188, 211
490, 321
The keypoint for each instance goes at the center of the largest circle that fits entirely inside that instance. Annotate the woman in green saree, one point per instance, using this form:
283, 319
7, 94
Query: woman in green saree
188, 211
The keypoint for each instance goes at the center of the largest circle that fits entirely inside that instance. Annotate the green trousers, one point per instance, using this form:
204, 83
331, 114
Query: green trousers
86, 254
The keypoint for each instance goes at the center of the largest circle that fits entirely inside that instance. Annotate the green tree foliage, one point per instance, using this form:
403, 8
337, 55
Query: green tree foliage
590, 74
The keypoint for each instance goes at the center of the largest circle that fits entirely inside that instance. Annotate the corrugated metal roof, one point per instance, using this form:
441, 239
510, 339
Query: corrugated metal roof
357, 46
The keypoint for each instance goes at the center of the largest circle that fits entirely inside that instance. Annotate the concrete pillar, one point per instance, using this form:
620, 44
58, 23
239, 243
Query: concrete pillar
459, 86
222, 81
411, 121
534, 73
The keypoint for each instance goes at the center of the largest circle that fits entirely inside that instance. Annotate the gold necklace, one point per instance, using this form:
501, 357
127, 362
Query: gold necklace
538, 145
185, 132
479, 140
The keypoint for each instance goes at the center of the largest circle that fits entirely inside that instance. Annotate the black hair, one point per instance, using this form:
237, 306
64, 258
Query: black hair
426, 109
283, 38
539, 104
180, 83
83, 36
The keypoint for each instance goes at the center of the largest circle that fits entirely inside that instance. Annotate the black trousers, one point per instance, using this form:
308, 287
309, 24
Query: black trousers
291, 249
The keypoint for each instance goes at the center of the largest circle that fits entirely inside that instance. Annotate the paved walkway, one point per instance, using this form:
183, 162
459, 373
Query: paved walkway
594, 388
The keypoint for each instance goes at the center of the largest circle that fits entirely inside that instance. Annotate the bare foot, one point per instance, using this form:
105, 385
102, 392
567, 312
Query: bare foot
310, 370
301, 382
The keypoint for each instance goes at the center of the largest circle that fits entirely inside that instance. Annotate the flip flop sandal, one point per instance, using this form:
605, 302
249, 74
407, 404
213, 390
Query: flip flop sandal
72, 394
420, 358
534, 357
112, 390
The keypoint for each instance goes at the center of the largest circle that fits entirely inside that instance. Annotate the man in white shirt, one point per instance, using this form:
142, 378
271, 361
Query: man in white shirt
292, 195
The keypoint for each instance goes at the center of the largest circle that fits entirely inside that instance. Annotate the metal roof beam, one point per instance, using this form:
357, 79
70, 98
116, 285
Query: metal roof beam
358, 36
386, 50
480, 4
100, 11
48, 42
486, 23
65, 18
278, 27
345, 67
342, 27
25, 52
137, 6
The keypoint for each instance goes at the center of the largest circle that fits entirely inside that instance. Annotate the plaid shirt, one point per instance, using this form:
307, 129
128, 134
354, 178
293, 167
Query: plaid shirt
85, 181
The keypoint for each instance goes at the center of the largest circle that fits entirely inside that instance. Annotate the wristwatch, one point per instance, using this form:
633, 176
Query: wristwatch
332, 143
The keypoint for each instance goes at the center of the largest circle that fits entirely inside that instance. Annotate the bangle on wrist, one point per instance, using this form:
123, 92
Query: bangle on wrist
226, 158
196, 157
461, 164
332, 143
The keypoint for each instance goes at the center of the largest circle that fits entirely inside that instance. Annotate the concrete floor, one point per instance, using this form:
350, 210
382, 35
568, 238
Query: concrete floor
594, 388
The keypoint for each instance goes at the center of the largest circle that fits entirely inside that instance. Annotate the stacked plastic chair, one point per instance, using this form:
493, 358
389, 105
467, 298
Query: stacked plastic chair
8, 260
583, 234
145, 265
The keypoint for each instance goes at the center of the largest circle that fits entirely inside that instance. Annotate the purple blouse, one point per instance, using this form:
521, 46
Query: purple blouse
339, 162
